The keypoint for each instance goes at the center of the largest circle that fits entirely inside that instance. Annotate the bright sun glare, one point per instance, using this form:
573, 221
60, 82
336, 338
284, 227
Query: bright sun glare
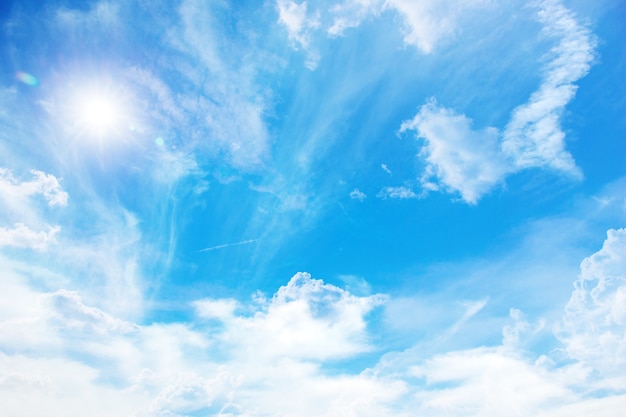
98, 113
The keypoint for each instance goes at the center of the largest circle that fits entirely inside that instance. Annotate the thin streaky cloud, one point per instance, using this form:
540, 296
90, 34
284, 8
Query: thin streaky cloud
227, 245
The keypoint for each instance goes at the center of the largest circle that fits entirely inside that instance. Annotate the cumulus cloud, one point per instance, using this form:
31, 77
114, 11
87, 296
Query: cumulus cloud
593, 328
307, 319
471, 162
280, 344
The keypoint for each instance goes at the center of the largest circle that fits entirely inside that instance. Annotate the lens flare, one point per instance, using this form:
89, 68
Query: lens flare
27, 78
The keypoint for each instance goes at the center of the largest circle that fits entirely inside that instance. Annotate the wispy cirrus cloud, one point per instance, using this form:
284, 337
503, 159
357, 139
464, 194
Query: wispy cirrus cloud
533, 137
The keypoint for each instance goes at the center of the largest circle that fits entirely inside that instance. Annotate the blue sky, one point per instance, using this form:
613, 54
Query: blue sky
355, 208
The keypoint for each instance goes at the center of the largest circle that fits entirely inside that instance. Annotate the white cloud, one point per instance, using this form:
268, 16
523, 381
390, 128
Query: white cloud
385, 168
21, 236
396, 192
533, 137
42, 183
300, 24
593, 328
216, 309
294, 17
70, 313
486, 382
427, 22
463, 160
278, 346
307, 319
351, 13
472, 162
511, 334
356, 194
18, 208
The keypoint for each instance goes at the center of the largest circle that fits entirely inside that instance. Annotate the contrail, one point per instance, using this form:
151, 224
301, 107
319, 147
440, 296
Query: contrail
226, 245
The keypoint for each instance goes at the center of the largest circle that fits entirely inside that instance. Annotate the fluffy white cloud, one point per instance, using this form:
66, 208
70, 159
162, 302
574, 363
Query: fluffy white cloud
593, 328
463, 160
307, 319
269, 357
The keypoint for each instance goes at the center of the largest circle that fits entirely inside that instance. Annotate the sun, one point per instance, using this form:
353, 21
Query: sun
99, 109
98, 113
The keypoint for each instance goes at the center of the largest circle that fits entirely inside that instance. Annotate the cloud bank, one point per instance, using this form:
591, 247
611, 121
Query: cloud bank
283, 355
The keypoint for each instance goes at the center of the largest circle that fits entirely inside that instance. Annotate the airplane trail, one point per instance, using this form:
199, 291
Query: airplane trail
226, 245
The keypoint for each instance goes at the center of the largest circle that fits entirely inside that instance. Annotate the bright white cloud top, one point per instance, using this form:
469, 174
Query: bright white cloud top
296, 208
